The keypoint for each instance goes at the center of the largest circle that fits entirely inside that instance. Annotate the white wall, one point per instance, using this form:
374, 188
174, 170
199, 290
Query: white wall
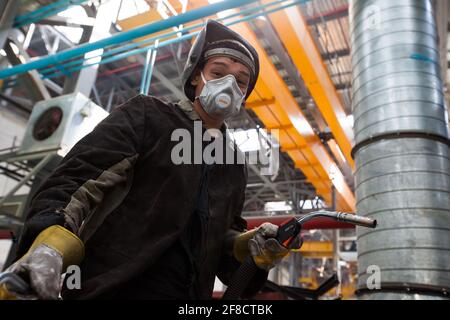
4, 249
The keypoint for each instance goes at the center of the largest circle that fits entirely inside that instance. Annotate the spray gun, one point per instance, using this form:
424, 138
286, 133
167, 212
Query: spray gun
290, 229
285, 235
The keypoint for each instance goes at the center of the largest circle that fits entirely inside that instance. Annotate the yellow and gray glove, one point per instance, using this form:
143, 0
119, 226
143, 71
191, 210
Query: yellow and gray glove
262, 246
53, 250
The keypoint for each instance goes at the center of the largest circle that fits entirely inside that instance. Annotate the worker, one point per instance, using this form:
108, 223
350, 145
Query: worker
138, 225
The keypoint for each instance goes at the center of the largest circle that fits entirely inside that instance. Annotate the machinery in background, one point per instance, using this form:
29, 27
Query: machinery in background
59, 123
54, 127
12, 210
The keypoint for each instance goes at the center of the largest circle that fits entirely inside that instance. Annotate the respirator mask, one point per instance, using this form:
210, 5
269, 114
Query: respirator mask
221, 98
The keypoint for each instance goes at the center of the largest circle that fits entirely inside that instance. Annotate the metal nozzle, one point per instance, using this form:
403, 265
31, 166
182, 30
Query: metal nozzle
340, 216
358, 220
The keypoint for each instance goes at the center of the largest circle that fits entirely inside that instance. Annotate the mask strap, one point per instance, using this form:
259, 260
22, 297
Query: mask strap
204, 81
203, 77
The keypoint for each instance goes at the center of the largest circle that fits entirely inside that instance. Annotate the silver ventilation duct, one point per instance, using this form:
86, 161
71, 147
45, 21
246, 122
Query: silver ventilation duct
402, 151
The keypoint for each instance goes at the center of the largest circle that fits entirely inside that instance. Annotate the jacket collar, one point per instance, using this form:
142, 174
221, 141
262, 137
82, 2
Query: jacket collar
187, 107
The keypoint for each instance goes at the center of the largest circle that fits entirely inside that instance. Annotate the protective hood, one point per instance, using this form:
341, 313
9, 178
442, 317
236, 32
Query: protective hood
210, 34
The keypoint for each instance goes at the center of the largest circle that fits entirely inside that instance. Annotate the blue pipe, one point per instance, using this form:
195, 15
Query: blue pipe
151, 62
81, 64
144, 72
150, 72
152, 39
127, 54
125, 36
172, 41
44, 12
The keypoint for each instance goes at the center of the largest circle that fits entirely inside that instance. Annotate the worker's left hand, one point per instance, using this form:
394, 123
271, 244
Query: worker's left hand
43, 267
266, 250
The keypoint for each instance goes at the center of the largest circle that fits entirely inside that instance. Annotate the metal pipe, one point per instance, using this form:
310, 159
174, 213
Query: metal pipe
402, 151
5, 235
124, 51
145, 71
150, 40
126, 36
150, 71
333, 14
340, 216
318, 223
44, 12
162, 44
161, 57
61, 71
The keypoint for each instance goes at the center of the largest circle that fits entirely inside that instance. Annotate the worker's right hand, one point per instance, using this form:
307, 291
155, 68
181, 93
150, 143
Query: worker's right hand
42, 267
266, 251
261, 244
51, 253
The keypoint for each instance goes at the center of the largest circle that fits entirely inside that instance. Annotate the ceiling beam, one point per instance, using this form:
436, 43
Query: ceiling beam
310, 156
334, 14
294, 33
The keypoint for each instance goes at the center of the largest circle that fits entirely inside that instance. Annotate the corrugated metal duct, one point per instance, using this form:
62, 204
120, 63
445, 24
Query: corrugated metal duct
402, 150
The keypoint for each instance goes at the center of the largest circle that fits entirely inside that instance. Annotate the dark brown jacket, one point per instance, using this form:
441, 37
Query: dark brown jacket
120, 192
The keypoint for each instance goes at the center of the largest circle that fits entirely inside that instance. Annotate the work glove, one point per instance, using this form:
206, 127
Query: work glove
261, 244
51, 253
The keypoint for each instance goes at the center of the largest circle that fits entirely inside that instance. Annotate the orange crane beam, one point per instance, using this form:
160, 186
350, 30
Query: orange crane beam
316, 249
294, 33
275, 105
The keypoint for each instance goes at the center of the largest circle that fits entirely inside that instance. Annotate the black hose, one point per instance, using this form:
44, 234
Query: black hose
240, 280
